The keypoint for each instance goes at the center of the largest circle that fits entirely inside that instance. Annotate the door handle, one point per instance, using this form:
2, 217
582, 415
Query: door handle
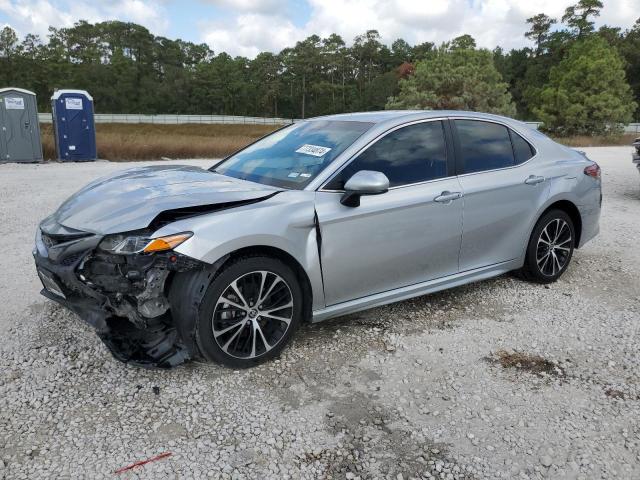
447, 197
534, 180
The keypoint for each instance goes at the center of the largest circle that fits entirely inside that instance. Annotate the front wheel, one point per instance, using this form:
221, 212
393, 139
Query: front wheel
250, 312
550, 248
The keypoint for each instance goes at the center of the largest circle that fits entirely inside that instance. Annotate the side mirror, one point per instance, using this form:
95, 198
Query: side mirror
364, 182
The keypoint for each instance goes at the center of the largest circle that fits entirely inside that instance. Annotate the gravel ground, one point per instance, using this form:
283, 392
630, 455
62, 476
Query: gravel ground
419, 389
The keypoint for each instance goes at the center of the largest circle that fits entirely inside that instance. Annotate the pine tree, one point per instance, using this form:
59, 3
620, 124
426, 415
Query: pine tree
587, 92
456, 76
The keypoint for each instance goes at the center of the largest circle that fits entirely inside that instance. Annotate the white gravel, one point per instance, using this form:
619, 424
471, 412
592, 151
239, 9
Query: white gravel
405, 391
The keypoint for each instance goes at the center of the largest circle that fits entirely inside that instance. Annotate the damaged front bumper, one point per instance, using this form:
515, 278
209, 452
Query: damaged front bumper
123, 297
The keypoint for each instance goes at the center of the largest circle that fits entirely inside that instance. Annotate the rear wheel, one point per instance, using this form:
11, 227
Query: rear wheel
250, 312
550, 248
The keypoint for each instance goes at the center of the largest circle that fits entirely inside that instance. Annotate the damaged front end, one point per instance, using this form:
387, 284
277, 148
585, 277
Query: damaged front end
118, 284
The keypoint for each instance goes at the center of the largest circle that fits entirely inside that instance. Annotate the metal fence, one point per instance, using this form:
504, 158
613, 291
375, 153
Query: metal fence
226, 119
178, 119
632, 128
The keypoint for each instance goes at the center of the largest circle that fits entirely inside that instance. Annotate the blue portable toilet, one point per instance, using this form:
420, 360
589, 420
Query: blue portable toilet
74, 125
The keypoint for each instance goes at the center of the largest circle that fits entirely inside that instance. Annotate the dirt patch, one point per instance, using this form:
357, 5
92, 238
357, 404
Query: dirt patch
613, 393
529, 363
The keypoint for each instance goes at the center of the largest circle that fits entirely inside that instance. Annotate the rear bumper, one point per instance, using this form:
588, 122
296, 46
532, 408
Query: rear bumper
130, 337
590, 216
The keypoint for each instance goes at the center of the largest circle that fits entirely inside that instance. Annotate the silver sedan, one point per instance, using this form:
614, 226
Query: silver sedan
319, 219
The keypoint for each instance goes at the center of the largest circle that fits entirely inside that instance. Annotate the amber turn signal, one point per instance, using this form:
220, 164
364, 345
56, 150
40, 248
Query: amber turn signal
169, 242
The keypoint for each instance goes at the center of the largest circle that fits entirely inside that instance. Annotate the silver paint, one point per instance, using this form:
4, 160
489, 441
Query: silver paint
409, 241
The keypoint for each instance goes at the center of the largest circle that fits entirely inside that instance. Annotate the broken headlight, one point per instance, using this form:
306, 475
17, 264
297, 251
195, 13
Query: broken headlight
130, 244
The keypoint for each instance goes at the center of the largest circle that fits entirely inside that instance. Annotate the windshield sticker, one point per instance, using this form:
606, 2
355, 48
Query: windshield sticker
314, 150
293, 175
305, 175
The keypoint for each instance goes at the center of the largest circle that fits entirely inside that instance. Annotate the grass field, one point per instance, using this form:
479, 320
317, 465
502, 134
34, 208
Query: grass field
117, 141
598, 141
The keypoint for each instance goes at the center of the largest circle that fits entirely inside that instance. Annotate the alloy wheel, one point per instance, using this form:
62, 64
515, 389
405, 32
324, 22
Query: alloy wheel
554, 247
253, 314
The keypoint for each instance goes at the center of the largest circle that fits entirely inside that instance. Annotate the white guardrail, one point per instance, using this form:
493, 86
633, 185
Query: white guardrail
225, 119
177, 119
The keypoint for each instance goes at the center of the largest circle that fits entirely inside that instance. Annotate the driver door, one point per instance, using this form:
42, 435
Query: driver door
408, 235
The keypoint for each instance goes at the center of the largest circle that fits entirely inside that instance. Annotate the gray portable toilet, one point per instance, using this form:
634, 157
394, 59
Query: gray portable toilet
19, 126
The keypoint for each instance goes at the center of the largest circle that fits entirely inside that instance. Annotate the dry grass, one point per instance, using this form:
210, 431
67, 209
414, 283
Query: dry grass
523, 361
598, 141
119, 142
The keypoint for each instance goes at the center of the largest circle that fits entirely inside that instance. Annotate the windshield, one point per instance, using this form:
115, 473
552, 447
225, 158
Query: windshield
293, 156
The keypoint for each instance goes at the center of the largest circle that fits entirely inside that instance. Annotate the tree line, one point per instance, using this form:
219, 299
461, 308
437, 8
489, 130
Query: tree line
575, 78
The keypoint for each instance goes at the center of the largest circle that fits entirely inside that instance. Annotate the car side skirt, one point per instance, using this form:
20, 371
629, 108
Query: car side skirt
416, 290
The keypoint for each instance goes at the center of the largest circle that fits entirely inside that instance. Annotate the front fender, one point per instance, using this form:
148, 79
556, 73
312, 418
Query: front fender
284, 221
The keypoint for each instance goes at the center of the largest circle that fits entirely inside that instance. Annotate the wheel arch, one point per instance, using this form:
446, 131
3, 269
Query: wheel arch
570, 209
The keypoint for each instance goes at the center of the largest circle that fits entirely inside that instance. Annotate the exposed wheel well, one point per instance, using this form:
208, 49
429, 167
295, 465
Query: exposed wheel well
570, 209
286, 258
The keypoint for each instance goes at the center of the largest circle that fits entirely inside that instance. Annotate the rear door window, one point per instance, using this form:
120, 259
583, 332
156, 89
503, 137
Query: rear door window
412, 154
484, 145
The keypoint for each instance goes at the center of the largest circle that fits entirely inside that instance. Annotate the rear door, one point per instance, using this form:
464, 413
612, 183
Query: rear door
503, 189
405, 236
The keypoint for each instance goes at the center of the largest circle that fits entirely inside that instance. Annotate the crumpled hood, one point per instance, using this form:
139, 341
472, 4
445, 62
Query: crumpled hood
131, 199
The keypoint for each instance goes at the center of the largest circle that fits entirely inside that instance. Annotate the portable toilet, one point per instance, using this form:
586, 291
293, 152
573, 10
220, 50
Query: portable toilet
73, 125
19, 126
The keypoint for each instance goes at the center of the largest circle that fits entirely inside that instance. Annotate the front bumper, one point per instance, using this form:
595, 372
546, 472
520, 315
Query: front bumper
130, 313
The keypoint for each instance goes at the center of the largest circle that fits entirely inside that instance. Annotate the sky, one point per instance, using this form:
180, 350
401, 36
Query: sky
247, 27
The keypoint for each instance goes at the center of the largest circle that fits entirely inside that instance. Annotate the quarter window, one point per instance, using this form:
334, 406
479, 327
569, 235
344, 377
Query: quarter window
484, 145
411, 154
522, 150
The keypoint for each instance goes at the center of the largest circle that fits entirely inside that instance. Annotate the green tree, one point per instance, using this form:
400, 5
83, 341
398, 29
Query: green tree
578, 16
630, 50
587, 92
539, 31
465, 41
8, 46
458, 78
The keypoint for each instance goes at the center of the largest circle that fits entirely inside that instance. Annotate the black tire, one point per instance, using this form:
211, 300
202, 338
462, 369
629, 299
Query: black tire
247, 273
536, 266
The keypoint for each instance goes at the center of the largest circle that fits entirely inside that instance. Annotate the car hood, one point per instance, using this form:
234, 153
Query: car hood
132, 199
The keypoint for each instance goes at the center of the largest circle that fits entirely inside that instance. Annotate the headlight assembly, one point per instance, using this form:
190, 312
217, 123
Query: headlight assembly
127, 245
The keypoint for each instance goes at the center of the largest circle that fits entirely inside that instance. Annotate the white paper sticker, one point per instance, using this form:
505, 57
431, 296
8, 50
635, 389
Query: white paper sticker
73, 103
293, 175
305, 175
314, 150
72, 147
14, 103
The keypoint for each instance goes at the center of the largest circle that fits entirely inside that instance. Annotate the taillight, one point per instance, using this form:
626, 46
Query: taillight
593, 170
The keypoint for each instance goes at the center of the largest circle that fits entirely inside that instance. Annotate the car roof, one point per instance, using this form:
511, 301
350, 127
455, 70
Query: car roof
394, 117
